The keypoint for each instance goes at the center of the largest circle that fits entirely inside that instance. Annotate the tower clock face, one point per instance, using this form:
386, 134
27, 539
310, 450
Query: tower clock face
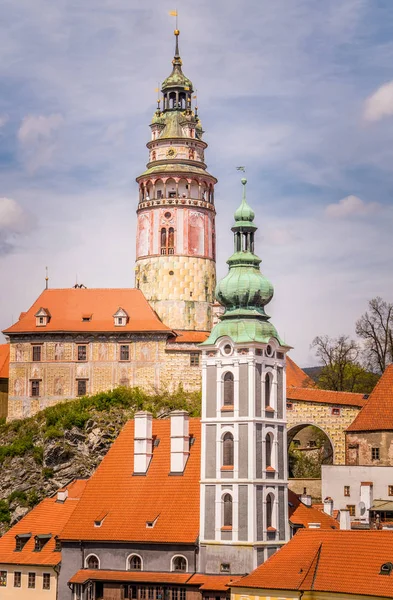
171, 152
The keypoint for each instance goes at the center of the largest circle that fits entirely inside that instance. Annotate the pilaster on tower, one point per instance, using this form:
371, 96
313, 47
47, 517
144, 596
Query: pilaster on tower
175, 254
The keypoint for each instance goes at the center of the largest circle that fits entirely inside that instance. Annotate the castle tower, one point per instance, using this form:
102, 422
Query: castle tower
175, 255
244, 495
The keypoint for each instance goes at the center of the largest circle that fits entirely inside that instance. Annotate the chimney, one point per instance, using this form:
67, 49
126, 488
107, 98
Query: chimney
328, 506
180, 440
143, 441
345, 519
366, 499
62, 495
306, 499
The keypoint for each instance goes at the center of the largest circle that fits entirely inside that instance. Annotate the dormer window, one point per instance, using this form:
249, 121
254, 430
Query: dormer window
120, 317
86, 318
42, 317
40, 541
98, 521
21, 540
386, 568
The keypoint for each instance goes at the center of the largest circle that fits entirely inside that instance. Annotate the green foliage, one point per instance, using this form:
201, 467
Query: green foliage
19, 447
33, 498
18, 495
5, 515
53, 432
47, 473
38, 454
302, 465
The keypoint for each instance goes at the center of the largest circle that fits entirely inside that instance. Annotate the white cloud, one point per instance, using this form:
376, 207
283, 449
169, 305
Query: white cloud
351, 206
3, 120
281, 236
37, 138
380, 103
13, 221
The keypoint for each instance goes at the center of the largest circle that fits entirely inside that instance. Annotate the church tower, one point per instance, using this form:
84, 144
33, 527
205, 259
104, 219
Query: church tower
175, 255
244, 488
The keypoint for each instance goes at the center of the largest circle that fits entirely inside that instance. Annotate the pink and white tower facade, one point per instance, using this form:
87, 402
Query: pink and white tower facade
175, 254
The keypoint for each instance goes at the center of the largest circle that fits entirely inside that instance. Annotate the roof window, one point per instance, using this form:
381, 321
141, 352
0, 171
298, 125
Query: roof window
98, 521
86, 318
42, 317
120, 317
40, 541
386, 568
150, 524
20, 540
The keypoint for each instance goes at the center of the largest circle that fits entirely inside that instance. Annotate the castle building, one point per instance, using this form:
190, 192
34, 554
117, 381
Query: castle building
175, 252
244, 458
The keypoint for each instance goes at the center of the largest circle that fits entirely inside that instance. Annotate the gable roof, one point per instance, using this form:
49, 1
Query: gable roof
68, 306
296, 377
48, 517
4, 360
346, 562
377, 414
300, 514
132, 500
326, 396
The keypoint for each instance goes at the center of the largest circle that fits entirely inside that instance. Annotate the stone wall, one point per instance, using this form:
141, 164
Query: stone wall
360, 448
151, 366
320, 415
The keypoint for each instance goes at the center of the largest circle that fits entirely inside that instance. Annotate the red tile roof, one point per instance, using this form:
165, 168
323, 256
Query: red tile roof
4, 360
377, 414
189, 337
347, 562
296, 377
49, 517
132, 500
325, 396
217, 583
67, 307
300, 514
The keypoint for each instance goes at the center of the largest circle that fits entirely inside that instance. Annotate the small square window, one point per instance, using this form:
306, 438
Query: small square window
336, 411
17, 578
375, 453
82, 387
41, 320
35, 388
3, 578
194, 359
36, 353
347, 490
225, 568
289, 406
120, 321
390, 490
351, 509
124, 352
82, 352
31, 580
46, 581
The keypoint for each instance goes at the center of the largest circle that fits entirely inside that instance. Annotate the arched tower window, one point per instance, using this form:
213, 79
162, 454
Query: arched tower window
171, 241
92, 562
227, 510
269, 511
268, 450
268, 386
135, 563
227, 450
228, 389
179, 563
163, 241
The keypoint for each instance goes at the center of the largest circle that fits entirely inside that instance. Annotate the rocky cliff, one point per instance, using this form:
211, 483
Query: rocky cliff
41, 454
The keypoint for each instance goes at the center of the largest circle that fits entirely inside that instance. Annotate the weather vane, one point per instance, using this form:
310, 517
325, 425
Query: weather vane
241, 169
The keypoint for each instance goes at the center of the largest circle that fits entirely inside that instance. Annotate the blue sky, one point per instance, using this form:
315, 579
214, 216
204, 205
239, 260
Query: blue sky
301, 92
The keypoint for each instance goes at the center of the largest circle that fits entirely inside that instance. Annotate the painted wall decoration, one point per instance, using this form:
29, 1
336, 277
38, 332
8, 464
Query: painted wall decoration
59, 351
196, 233
143, 234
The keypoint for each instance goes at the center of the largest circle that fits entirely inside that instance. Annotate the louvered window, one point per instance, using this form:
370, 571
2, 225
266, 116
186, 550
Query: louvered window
228, 389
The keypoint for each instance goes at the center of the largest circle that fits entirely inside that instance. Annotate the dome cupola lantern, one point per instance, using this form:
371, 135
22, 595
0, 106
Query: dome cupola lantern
177, 89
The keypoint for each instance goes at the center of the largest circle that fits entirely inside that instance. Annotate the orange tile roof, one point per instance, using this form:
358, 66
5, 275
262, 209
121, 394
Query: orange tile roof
300, 514
377, 414
347, 562
325, 396
187, 337
132, 500
296, 377
67, 306
4, 360
204, 582
49, 516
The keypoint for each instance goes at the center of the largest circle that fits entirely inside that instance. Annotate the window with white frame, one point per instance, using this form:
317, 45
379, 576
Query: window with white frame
179, 563
269, 449
269, 510
134, 563
268, 388
92, 562
229, 389
227, 511
227, 450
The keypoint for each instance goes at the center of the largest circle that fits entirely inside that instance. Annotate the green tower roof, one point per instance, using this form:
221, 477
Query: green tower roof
177, 79
244, 291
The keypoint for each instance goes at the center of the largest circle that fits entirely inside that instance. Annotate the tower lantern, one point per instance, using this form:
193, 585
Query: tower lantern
175, 254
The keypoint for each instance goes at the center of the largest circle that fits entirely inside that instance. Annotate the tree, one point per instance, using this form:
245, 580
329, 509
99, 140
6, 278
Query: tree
375, 327
341, 367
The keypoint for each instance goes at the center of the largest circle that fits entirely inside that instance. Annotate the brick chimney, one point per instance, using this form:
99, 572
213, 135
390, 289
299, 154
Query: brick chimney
306, 499
180, 441
143, 441
345, 519
366, 497
328, 506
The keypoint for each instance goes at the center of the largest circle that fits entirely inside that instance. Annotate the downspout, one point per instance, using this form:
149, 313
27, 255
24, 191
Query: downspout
56, 569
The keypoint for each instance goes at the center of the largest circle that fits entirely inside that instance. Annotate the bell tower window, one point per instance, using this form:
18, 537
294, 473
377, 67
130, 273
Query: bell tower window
227, 511
228, 389
227, 450
167, 241
267, 389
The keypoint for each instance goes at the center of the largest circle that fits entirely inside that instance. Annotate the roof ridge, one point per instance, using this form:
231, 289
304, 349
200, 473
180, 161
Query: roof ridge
316, 389
314, 558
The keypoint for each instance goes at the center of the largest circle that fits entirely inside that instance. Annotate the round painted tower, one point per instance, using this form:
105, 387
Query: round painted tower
175, 253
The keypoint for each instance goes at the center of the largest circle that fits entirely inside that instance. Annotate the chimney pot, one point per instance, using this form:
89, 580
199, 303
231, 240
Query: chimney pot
143, 441
180, 440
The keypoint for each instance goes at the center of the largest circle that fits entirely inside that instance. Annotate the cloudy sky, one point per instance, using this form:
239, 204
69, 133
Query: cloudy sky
299, 91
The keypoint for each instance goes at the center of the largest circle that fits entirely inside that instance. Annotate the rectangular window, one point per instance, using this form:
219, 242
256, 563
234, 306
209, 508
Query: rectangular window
3, 578
175, 594
142, 593
82, 352
31, 580
82, 387
124, 352
351, 508
46, 581
182, 593
151, 593
347, 490
375, 453
17, 579
336, 411
36, 353
194, 359
390, 490
289, 406
35, 388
